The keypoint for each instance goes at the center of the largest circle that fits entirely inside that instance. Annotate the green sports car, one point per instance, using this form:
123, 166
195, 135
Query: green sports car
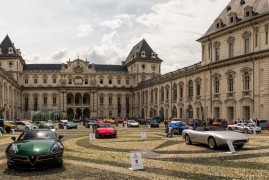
35, 149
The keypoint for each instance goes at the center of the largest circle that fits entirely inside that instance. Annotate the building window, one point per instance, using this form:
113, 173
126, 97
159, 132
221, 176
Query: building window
101, 100
231, 19
246, 45
45, 101
246, 81
143, 66
162, 94
256, 40
230, 83
26, 105
175, 93
35, 81
110, 101
110, 81
198, 89
0, 63
246, 110
110, 114
45, 81
69, 81
127, 81
86, 81
35, 103
54, 101
231, 50
266, 39
54, 80
101, 81
119, 81
156, 96
217, 85
190, 92
217, 112
217, 52
26, 81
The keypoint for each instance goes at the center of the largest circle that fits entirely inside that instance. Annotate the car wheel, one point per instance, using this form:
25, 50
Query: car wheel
212, 143
230, 129
9, 166
240, 146
245, 131
188, 139
8, 130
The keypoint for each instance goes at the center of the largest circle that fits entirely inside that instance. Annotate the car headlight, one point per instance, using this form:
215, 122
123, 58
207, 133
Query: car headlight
12, 149
57, 147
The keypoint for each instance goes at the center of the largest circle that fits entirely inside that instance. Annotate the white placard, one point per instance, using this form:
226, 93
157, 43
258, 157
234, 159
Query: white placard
1, 133
148, 125
136, 160
64, 127
231, 146
92, 136
254, 131
143, 135
13, 131
90, 126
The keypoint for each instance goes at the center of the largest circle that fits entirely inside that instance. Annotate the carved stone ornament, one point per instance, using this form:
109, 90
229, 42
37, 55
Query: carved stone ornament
230, 40
216, 44
246, 34
78, 69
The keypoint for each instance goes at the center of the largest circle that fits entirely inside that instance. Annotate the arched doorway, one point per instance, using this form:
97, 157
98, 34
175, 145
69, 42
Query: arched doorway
174, 111
70, 98
78, 99
142, 113
86, 113
162, 113
78, 114
70, 114
190, 112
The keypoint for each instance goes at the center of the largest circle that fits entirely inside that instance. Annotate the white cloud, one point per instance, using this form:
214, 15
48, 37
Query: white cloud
85, 30
59, 55
109, 52
117, 21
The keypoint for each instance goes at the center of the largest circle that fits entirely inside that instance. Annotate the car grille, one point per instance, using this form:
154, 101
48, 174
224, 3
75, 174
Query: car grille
240, 141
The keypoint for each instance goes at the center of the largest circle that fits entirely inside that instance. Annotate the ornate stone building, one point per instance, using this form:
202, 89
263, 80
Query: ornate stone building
231, 81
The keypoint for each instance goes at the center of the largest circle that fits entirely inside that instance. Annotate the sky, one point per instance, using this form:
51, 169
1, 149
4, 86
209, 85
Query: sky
104, 31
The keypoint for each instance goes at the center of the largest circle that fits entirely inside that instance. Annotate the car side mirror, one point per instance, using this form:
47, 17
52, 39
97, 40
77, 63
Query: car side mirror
13, 138
61, 136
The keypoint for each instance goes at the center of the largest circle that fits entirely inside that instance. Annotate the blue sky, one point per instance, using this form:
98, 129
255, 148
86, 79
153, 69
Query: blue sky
104, 31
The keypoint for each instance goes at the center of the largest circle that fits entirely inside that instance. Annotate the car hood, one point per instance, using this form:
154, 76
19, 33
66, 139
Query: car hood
229, 134
105, 130
34, 147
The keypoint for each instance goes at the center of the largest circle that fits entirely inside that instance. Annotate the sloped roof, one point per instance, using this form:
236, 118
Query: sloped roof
42, 67
5, 44
136, 51
103, 67
260, 7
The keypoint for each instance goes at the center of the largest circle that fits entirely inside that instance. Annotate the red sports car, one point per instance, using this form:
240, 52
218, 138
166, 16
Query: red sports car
105, 130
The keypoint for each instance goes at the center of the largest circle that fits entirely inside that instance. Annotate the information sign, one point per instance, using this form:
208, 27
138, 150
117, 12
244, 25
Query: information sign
136, 160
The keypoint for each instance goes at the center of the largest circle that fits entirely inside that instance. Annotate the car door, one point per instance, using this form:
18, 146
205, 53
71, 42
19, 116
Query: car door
240, 127
20, 126
197, 134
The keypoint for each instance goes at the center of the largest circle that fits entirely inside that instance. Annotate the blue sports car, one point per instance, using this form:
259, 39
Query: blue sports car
178, 127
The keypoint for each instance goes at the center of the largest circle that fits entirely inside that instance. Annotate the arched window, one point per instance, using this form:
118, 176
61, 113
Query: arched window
217, 84
175, 92
230, 83
190, 92
246, 81
162, 94
151, 96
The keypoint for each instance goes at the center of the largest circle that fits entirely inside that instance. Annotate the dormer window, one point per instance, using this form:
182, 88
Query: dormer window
242, 2
153, 55
231, 19
143, 54
10, 64
248, 11
10, 50
228, 8
218, 23
143, 66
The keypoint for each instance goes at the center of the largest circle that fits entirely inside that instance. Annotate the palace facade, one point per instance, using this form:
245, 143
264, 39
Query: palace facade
231, 81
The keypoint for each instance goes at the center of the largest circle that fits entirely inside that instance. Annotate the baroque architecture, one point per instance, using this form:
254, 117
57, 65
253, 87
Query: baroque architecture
231, 81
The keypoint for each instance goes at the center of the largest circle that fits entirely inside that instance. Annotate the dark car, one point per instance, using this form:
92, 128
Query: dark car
141, 121
156, 118
154, 123
35, 149
91, 123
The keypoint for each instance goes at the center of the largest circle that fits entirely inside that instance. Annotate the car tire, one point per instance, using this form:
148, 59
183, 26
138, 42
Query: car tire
60, 164
8, 130
230, 129
9, 166
188, 139
240, 146
212, 143
246, 131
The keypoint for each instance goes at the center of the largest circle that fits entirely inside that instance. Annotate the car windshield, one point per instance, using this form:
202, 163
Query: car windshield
32, 135
46, 126
209, 128
104, 126
132, 121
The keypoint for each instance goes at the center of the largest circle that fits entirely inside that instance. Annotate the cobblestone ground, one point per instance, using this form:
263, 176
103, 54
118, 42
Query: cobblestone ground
163, 158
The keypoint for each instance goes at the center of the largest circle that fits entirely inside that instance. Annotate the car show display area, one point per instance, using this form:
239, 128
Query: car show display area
163, 157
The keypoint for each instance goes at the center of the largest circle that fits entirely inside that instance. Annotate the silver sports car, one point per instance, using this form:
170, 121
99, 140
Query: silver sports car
214, 136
